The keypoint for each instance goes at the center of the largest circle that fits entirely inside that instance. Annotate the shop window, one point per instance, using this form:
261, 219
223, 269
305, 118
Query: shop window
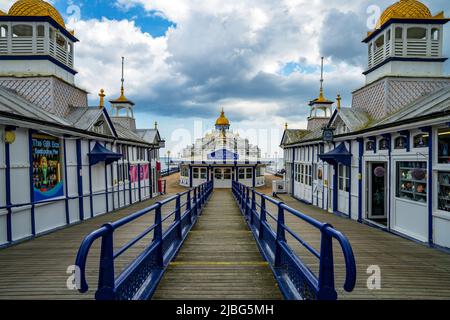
370, 146
241, 173
196, 173
185, 171
344, 178
227, 174
203, 174
22, 30
302, 173
308, 177
412, 181
384, 144
218, 174
417, 33
3, 31
249, 174
421, 141
444, 191
400, 143
444, 146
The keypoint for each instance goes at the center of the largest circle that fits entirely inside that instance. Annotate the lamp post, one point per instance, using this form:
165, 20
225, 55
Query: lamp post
168, 161
276, 161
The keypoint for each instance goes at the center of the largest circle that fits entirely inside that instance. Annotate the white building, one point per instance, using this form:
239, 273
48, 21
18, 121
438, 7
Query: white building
222, 156
61, 161
385, 161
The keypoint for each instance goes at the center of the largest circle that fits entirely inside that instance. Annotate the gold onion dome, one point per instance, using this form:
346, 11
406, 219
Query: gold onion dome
36, 8
222, 120
406, 9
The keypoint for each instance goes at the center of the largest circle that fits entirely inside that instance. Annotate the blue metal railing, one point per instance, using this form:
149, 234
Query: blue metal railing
140, 278
295, 278
168, 172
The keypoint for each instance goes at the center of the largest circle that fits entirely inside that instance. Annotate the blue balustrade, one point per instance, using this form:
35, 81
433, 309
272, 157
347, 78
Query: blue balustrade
140, 278
296, 280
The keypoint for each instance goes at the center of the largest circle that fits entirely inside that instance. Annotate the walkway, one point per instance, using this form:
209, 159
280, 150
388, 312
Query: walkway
220, 259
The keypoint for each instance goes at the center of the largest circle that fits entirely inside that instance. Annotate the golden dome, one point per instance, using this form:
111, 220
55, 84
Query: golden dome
222, 120
36, 8
405, 9
2, 13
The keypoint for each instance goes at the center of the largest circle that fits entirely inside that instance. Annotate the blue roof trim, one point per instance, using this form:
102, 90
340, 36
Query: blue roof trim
111, 125
415, 21
40, 58
339, 155
40, 19
101, 154
404, 59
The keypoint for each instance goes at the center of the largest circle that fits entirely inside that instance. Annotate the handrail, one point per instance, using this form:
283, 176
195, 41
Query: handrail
140, 278
295, 278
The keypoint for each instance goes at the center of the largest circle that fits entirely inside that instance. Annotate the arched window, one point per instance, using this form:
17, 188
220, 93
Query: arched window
22, 30
421, 140
370, 146
435, 34
383, 144
40, 31
398, 33
61, 41
417, 33
379, 42
3, 31
400, 143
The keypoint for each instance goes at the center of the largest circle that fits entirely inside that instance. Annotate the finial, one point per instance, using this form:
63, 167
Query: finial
286, 126
321, 97
338, 99
156, 125
102, 98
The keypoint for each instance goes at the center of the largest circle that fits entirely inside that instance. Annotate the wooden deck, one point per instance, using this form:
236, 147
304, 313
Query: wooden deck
409, 270
36, 269
220, 259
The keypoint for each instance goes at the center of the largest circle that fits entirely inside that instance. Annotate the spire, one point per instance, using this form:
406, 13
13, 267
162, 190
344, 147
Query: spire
321, 96
156, 125
122, 89
286, 126
102, 98
338, 99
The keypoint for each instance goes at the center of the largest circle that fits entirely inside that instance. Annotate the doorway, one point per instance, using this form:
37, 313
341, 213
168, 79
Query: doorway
377, 192
223, 178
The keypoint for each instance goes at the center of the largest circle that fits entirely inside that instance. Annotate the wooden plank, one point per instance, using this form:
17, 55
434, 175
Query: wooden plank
220, 259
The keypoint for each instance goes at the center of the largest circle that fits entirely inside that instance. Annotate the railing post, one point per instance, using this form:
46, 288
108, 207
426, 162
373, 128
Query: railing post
281, 235
189, 206
263, 218
178, 217
253, 210
327, 290
195, 203
247, 201
158, 235
106, 280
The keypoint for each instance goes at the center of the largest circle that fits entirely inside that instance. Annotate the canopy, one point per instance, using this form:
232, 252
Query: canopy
99, 153
338, 155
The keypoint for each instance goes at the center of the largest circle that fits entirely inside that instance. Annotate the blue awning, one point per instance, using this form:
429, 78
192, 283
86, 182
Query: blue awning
340, 155
99, 154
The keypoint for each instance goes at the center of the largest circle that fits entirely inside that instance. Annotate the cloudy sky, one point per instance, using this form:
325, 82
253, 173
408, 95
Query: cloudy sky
258, 59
